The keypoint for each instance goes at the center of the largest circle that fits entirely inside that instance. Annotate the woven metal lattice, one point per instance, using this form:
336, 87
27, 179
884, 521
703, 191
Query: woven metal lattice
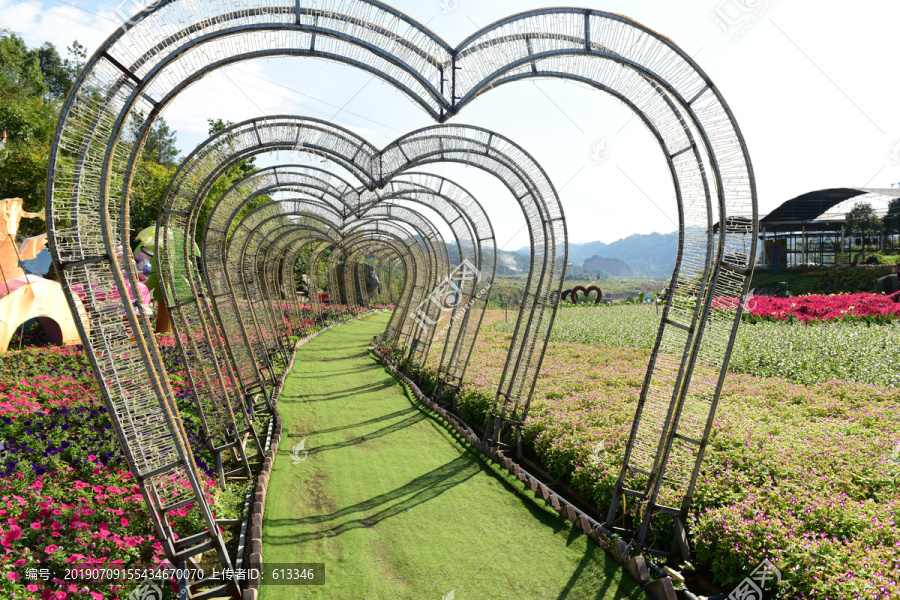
461, 144
172, 44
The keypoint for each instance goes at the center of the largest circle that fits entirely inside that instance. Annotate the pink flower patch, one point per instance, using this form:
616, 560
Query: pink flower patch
13, 534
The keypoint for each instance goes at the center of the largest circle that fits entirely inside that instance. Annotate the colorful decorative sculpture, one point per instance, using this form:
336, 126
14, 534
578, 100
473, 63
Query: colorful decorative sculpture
25, 296
148, 270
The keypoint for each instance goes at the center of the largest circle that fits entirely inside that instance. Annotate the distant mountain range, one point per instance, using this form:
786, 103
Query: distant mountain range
612, 266
646, 255
641, 255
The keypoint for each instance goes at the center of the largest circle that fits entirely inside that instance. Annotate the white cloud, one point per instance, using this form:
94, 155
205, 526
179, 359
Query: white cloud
39, 22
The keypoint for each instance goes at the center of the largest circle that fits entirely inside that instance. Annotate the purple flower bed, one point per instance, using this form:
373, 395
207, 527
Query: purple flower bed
67, 496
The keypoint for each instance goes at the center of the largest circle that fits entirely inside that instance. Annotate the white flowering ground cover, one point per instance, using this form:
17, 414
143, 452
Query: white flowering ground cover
807, 354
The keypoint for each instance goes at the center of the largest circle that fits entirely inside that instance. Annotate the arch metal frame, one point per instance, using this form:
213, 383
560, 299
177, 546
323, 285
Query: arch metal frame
143, 66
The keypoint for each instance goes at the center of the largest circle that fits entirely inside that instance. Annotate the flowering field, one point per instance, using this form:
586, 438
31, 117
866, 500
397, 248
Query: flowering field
804, 475
851, 350
67, 496
866, 308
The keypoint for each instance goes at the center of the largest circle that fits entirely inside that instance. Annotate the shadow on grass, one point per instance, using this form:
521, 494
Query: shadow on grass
393, 428
591, 577
335, 373
330, 350
423, 488
607, 576
301, 398
386, 417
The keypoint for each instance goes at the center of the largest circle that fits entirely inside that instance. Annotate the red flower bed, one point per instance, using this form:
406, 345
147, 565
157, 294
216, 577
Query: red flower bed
871, 308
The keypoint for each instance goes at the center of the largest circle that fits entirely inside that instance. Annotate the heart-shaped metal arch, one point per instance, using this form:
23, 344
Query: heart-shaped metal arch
447, 143
143, 66
475, 239
273, 217
250, 238
468, 239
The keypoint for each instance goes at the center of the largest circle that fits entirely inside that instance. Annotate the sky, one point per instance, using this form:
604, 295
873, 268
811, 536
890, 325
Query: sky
808, 82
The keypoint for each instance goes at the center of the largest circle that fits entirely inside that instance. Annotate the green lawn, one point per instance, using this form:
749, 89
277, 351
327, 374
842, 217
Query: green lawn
396, 507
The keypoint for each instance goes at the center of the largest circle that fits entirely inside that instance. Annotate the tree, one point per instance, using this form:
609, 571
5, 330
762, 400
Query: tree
28, 115
59, 74
153, 172
77, 58
215, 126
892, 219
20, 69
159, 147
225, 181
148, 188
22, 90
33, 85
863, 221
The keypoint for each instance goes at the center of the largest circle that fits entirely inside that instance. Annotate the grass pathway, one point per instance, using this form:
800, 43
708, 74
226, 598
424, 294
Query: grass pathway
397, 507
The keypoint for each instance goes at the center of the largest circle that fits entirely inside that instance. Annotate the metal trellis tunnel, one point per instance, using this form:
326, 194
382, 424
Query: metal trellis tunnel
170, 45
